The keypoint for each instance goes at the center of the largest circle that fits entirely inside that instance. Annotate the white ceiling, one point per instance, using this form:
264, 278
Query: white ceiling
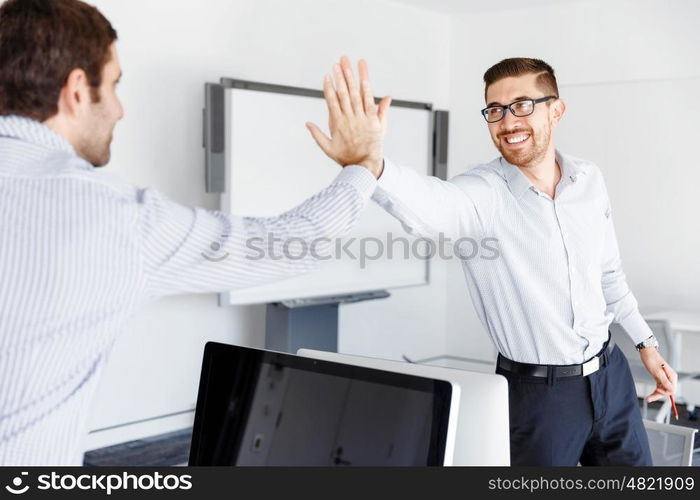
466, 6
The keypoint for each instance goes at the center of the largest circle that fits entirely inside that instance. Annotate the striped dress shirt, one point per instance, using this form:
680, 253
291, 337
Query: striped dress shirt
81, 250
556, 282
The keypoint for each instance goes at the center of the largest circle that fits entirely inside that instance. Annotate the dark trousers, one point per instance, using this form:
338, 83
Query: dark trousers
594, 420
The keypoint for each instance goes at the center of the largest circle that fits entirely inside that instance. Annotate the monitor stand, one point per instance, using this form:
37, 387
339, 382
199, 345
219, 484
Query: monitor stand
308, 323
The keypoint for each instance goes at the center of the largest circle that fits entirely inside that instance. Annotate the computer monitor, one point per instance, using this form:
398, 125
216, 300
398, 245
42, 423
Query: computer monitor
482, 434
257, 407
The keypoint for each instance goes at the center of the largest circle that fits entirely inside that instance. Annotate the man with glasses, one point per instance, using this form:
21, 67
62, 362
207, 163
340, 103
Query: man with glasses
549, 297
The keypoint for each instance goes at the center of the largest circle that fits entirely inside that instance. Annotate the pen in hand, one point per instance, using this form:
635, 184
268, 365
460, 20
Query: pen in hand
673, 402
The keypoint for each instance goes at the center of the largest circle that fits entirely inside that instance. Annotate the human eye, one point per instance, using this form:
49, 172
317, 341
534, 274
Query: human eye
494, 111
522, 106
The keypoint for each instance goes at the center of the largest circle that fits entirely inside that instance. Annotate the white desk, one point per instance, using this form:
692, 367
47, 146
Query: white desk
457, 362
686, 321
680, 322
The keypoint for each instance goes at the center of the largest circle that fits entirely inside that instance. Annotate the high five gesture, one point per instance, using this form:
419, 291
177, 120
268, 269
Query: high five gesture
356, 123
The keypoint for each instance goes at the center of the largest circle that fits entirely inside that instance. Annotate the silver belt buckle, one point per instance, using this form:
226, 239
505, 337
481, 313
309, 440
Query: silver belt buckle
591, 366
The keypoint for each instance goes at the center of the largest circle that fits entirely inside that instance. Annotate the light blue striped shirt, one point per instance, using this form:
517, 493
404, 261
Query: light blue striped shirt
80, 250
557, 282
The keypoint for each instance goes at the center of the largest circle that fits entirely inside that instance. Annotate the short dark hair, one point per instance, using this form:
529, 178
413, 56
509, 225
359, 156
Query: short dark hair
41, 42
518, 66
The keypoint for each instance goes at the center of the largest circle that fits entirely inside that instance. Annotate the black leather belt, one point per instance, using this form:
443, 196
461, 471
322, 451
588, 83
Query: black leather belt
533, 370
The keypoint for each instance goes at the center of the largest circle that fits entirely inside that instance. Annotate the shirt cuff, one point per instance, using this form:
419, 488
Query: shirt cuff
635, 326
389, 179
359, 177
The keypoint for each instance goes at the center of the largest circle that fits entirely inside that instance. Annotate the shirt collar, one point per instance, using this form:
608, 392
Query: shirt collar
570, 168
32, 131
519, 183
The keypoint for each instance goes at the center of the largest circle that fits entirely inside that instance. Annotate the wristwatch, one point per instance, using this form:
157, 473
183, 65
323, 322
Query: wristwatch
649, 342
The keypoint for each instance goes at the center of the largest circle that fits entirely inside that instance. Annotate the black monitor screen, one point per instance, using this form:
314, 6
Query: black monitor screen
257, 407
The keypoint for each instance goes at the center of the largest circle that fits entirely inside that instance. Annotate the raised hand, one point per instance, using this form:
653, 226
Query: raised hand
357, 125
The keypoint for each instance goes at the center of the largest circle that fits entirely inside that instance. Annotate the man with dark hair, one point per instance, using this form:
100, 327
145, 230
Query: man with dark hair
549, 297
80, 250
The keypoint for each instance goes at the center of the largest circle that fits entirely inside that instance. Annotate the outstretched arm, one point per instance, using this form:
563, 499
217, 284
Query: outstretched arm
426, 206
193, 250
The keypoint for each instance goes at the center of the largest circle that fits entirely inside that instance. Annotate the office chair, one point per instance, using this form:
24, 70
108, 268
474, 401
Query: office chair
670, 444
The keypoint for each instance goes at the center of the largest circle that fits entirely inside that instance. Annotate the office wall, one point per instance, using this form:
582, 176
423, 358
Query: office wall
591, 43
168, 49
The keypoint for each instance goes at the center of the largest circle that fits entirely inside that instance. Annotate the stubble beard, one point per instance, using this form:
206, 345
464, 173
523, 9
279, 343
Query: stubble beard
95, 147
531, 156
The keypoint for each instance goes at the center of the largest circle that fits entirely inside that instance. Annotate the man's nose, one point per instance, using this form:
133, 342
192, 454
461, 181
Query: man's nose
510, 121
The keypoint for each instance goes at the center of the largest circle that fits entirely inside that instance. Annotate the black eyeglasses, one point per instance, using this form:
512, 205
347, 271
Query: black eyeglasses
523, 107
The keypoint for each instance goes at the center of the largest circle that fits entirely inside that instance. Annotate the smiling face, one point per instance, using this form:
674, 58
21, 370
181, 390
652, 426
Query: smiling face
523, 141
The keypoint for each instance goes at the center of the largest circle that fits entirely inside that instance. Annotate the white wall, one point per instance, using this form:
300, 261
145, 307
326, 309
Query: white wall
594, 43
168, 49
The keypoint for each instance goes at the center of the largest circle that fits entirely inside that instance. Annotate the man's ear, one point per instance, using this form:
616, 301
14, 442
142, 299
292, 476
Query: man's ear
557, 110
75, 94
